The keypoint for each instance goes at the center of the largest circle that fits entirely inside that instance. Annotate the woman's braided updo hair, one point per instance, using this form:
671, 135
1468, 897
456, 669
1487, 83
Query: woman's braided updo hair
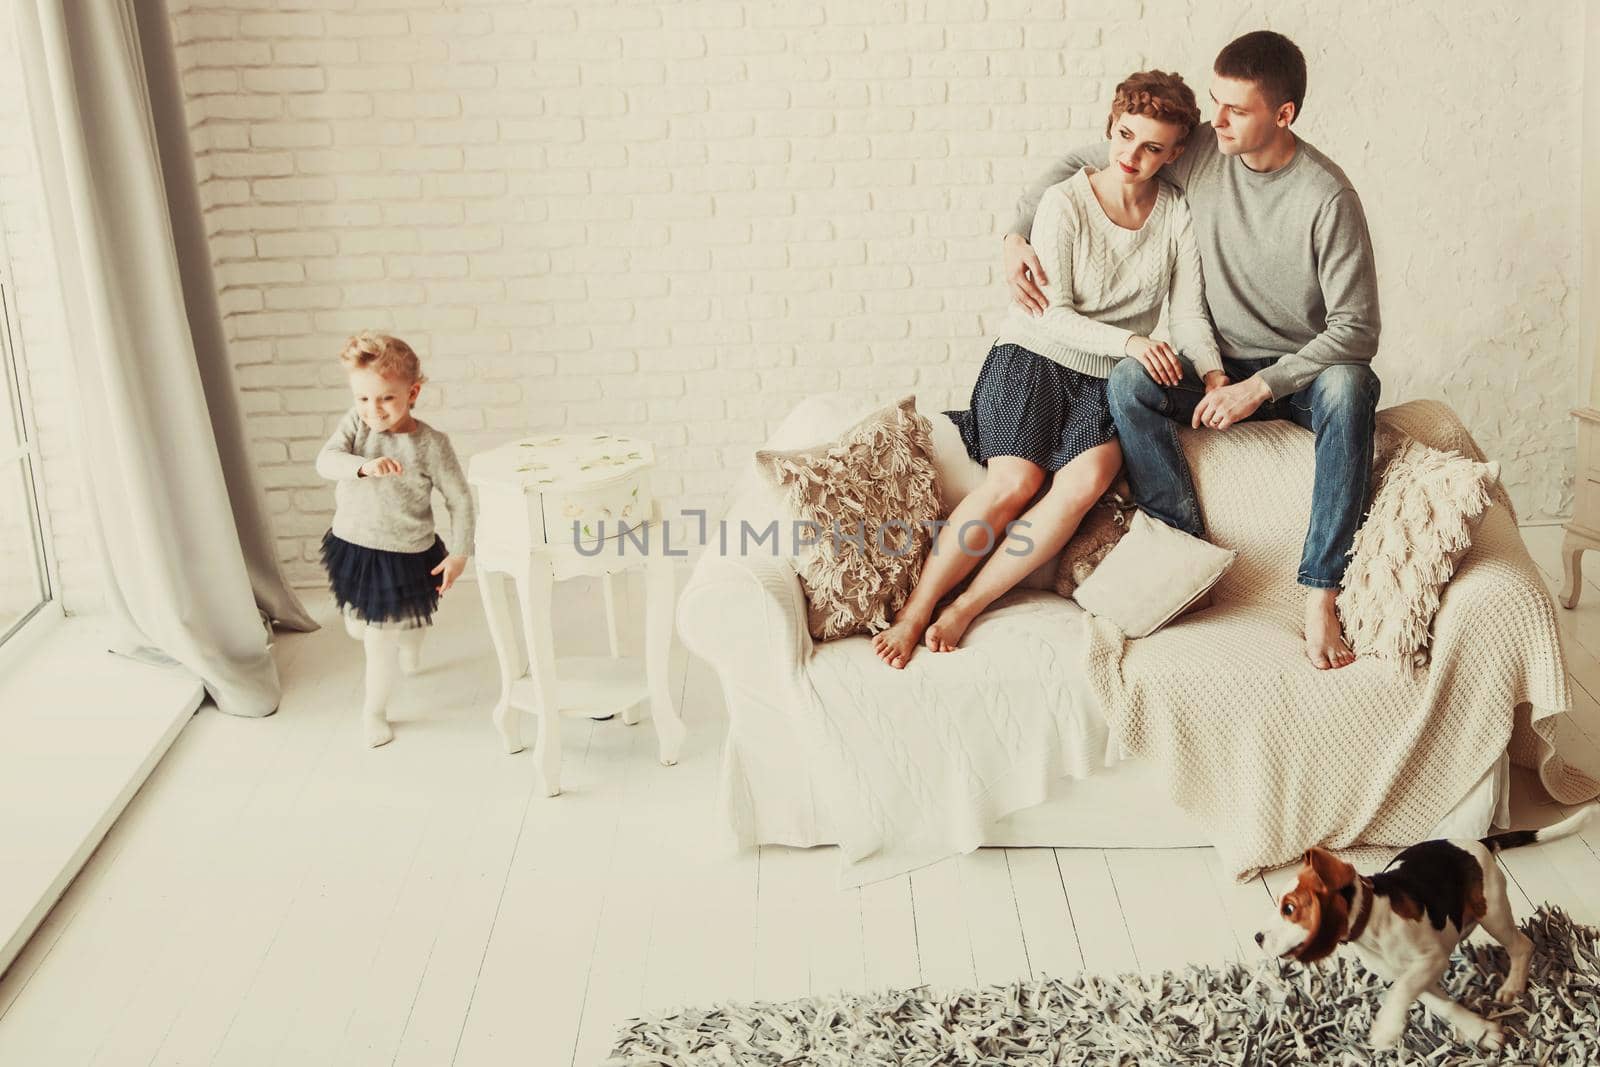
1157, 95
389, 356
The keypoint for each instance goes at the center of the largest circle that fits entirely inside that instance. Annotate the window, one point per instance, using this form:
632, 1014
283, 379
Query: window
24, 579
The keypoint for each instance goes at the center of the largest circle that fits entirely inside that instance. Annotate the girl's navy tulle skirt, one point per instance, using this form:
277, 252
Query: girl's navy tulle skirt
383, 588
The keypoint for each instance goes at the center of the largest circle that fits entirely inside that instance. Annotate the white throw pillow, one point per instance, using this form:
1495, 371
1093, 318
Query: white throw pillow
1153, 575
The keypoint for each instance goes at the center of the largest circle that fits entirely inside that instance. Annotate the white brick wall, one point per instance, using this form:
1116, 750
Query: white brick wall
676, 219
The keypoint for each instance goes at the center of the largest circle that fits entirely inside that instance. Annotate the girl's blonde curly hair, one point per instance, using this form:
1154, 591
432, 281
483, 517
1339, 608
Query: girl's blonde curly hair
389, 356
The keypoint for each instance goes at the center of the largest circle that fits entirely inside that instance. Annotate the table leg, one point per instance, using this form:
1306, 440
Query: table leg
535, 589
661, 590
613, 596
1572, 549
608, 581
492, 588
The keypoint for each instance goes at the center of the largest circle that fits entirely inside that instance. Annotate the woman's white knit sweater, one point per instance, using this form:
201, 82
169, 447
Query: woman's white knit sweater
1106, 283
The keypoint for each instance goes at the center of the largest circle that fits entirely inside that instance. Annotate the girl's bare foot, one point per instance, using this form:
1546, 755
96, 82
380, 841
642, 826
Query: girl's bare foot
895, 645
1325, 643
946, 632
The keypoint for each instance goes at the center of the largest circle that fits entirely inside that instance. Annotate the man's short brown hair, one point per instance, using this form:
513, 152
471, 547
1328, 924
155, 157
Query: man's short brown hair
1272, 61
1157, 95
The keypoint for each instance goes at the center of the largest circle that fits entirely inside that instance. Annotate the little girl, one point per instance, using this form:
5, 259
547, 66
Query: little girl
382, 553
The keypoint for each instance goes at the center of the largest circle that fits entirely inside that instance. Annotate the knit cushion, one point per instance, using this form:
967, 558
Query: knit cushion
1424, 512
1152, 576
864, 502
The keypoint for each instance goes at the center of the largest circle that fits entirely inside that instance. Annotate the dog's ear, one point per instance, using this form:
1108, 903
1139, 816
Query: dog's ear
1330, 870
1308, 871
1326, 914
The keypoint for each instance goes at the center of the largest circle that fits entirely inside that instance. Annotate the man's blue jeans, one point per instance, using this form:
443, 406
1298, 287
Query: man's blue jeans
1339, 406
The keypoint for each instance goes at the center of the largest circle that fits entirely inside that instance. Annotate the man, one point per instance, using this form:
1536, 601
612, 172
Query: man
1292, 291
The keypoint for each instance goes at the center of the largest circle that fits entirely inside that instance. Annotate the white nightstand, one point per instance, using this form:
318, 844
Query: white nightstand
559, 506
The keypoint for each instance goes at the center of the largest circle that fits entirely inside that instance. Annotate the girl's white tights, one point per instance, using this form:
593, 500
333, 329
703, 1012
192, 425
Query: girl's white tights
388, 651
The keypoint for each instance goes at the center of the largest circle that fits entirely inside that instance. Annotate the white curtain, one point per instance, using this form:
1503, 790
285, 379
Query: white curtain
185, 540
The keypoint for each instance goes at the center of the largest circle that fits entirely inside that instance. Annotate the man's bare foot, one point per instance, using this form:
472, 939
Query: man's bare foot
895, 645
1325, 643
946, 632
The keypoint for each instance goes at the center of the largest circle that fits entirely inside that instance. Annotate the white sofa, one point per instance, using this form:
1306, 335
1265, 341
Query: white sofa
744, 613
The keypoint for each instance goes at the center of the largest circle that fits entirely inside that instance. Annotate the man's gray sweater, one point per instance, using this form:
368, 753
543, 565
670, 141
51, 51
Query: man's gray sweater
1287, 259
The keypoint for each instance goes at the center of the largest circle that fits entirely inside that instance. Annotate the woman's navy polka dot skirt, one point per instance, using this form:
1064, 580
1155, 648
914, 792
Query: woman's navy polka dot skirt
1028, 406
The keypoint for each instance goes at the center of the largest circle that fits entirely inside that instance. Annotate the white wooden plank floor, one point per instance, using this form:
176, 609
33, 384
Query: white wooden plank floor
278, 894
81, 728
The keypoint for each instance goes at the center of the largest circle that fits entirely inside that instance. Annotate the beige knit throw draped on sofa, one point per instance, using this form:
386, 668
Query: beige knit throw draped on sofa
1270, 754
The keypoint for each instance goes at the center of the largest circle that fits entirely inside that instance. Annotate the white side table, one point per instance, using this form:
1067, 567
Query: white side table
561, 506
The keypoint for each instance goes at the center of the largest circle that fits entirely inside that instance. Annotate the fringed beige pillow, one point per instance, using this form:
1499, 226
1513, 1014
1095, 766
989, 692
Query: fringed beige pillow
1427, 505
1095, 537
865, 502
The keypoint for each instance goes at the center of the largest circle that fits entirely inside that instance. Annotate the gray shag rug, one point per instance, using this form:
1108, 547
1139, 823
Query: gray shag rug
1270, 1012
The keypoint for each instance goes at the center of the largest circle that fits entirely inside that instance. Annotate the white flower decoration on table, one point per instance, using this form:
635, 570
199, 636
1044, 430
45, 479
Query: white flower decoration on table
566, 460
592, 485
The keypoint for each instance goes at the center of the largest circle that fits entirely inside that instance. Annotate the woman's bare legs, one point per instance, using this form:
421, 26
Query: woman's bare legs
1050, 525
983, 513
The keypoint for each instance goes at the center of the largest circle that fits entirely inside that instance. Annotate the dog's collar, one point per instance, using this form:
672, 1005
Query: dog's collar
1362, 907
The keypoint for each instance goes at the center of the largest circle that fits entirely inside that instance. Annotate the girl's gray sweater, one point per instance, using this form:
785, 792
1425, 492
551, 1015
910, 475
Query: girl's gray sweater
395, 512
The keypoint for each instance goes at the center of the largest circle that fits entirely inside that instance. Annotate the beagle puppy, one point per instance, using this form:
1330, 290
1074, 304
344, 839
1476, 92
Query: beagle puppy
1405, 921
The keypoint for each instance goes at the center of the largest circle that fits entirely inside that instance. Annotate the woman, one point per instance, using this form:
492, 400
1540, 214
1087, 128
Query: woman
1114, 243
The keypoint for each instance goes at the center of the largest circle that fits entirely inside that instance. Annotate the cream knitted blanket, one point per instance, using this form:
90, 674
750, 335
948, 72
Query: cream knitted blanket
1273, 755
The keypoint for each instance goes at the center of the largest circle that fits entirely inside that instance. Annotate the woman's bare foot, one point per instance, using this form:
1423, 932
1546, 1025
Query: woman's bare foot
1325, 643
895, 645
946, 632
